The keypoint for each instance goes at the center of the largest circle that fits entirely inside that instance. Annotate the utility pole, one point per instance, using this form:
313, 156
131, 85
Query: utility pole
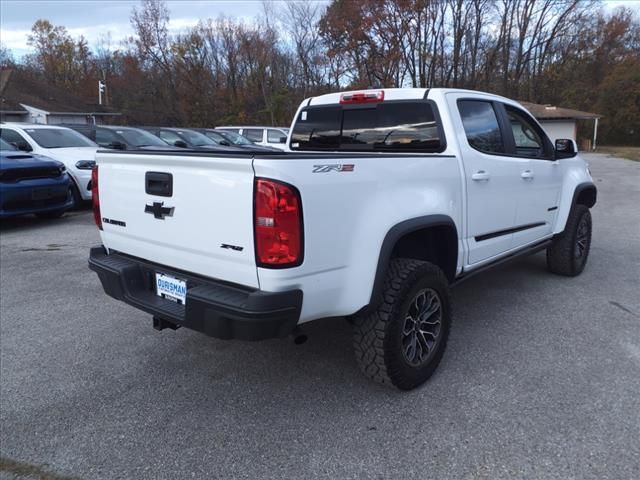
101, 88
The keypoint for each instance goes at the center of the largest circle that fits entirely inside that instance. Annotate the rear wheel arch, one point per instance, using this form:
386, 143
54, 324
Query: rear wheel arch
432, 238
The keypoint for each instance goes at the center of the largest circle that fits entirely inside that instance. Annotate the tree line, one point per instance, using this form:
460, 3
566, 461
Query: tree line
571, 53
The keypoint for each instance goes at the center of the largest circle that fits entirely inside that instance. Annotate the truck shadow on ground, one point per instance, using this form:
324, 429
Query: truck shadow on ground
277, 368
31, 222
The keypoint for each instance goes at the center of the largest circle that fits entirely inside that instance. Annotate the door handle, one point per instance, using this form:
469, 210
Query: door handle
527, 175
480, 176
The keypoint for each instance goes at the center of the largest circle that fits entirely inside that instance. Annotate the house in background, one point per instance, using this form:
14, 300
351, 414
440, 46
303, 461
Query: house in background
561, 122
24, 98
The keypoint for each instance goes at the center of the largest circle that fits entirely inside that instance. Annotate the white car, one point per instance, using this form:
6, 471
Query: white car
266, 136
71, 148
386, 200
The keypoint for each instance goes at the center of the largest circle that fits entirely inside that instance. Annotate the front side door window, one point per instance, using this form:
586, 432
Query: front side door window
169, 137
253, 134
527, 136
105, 138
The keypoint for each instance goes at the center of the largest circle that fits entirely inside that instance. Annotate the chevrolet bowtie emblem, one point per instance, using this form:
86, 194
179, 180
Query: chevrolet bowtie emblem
158, 210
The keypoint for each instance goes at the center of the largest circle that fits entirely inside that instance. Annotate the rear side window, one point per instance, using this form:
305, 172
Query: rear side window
388, 126
253, 134
481, 125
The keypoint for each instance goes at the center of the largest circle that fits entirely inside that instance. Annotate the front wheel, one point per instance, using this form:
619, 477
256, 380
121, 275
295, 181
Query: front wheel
77, 198
568, 253
402, 342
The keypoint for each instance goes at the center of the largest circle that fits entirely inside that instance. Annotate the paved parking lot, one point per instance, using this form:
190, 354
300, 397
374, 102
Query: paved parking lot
541, 378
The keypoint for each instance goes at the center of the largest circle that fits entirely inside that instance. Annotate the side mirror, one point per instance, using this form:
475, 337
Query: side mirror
282, 140
225, 143
180, 143
23, 146
565, 148
118, 146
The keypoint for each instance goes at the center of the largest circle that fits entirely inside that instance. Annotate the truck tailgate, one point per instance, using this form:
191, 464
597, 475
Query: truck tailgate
203, 225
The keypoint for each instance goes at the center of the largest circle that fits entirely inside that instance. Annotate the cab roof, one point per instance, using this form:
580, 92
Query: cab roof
395, 94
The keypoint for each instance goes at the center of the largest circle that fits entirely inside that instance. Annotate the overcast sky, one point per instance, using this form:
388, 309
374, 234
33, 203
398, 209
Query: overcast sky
95, 18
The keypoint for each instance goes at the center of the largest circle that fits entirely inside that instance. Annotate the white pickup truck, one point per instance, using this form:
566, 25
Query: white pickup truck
385, 200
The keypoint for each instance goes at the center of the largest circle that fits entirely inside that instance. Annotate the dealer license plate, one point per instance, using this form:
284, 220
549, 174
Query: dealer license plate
171, 288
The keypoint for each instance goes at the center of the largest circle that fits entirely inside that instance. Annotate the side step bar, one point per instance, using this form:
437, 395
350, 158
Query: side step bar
530, 250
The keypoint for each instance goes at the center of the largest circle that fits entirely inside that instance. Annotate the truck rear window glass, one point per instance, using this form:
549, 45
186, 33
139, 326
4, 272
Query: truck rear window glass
388, 126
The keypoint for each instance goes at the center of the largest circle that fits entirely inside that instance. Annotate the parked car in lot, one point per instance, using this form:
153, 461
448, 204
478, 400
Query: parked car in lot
387, 199
71, 148
121, 138
275, 137
187, 138
32, 184
227, 137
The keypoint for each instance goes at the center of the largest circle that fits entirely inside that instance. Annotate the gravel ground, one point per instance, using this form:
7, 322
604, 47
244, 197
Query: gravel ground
541, 378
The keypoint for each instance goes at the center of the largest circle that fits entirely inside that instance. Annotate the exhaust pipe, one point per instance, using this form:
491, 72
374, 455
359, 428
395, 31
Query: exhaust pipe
298, 337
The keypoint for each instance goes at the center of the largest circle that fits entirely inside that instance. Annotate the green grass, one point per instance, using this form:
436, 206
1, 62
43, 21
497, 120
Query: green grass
630, 153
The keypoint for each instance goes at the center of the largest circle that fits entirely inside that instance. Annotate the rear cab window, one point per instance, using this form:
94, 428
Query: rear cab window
391, 126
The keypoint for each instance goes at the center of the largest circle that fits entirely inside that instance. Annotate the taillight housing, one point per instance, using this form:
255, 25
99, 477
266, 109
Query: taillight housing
277, 224
362, 97
95, 197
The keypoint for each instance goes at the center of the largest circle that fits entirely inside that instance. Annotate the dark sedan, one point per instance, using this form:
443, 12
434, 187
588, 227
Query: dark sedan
32, 184
187, 138
234, 139
122, 138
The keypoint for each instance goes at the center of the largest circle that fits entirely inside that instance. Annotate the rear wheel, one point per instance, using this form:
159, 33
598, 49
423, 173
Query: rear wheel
569, 251
402, 342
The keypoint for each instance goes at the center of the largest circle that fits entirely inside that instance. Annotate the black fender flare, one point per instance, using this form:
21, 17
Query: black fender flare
583, 187
394, 234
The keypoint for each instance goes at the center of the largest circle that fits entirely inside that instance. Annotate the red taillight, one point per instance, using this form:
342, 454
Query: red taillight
362, 97
95, 197
277, 224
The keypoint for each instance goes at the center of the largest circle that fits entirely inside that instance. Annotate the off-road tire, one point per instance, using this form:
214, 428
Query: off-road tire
378, 335
566, 256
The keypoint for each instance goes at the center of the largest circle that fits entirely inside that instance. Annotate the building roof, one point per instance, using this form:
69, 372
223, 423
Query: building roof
18, 88
551, 112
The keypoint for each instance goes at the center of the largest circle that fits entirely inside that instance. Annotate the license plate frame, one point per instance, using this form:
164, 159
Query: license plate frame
171, 288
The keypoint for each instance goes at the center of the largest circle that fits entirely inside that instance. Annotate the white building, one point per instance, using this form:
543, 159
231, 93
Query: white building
561, 122
24, 98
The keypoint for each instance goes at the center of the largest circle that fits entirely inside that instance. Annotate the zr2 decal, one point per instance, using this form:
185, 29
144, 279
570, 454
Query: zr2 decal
347, 167
232, 247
